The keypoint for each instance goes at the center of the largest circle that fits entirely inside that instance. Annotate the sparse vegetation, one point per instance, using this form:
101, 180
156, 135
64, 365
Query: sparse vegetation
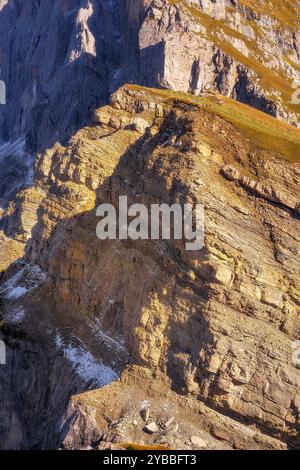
273, 80
268, 132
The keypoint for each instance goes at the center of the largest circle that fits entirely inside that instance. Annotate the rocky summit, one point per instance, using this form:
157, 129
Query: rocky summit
143, 344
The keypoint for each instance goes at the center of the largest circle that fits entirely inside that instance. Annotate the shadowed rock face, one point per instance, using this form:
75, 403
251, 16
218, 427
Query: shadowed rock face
58, 60
35, 387
16, 170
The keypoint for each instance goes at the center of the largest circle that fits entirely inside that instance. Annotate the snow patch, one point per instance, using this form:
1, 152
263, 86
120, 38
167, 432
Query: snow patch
23, 282
16, 293
85, 364
111, 342
115, 344
15, 317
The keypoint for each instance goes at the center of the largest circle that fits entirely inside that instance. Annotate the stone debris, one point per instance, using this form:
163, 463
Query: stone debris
198, 442
145, 414
169, 422
152, 428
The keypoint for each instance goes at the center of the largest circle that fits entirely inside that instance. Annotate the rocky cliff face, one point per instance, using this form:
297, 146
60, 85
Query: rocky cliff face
62, 59
248, 50
36, 384
218, 324
58, 59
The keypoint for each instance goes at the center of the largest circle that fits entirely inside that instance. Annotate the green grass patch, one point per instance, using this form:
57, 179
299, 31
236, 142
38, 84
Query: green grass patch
266, 131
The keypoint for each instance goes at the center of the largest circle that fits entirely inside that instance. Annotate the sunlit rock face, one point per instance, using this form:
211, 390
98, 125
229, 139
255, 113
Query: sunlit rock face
248, 50
219, 324
218, 327
3, 3
62, 59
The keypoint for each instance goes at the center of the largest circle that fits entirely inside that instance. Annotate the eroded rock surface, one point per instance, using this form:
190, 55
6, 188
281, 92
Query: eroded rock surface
248, 50
218, 324
58, 60
62, 59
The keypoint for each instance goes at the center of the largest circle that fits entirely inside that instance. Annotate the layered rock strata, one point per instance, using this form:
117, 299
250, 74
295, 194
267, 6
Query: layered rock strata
219, 324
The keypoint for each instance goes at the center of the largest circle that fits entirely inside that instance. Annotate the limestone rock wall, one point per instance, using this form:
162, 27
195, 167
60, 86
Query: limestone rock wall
35, 387
220, 323
246, 50
62, 59
58, 59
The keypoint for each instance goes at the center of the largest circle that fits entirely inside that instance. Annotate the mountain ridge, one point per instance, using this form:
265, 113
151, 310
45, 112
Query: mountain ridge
218, 324
207, 338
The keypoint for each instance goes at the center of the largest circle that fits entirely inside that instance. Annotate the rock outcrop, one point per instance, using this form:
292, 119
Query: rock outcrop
35, 386
219, 324
248, 50
62, 59
58, 59
112, 418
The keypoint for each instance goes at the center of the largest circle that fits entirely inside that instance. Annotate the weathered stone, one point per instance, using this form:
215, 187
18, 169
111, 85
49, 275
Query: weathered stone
208, 320
145, 413
198, 442
169, 422
152, 428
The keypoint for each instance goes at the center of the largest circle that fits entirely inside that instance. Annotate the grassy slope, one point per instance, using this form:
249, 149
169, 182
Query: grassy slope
286, 17
266, 131
283, 11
